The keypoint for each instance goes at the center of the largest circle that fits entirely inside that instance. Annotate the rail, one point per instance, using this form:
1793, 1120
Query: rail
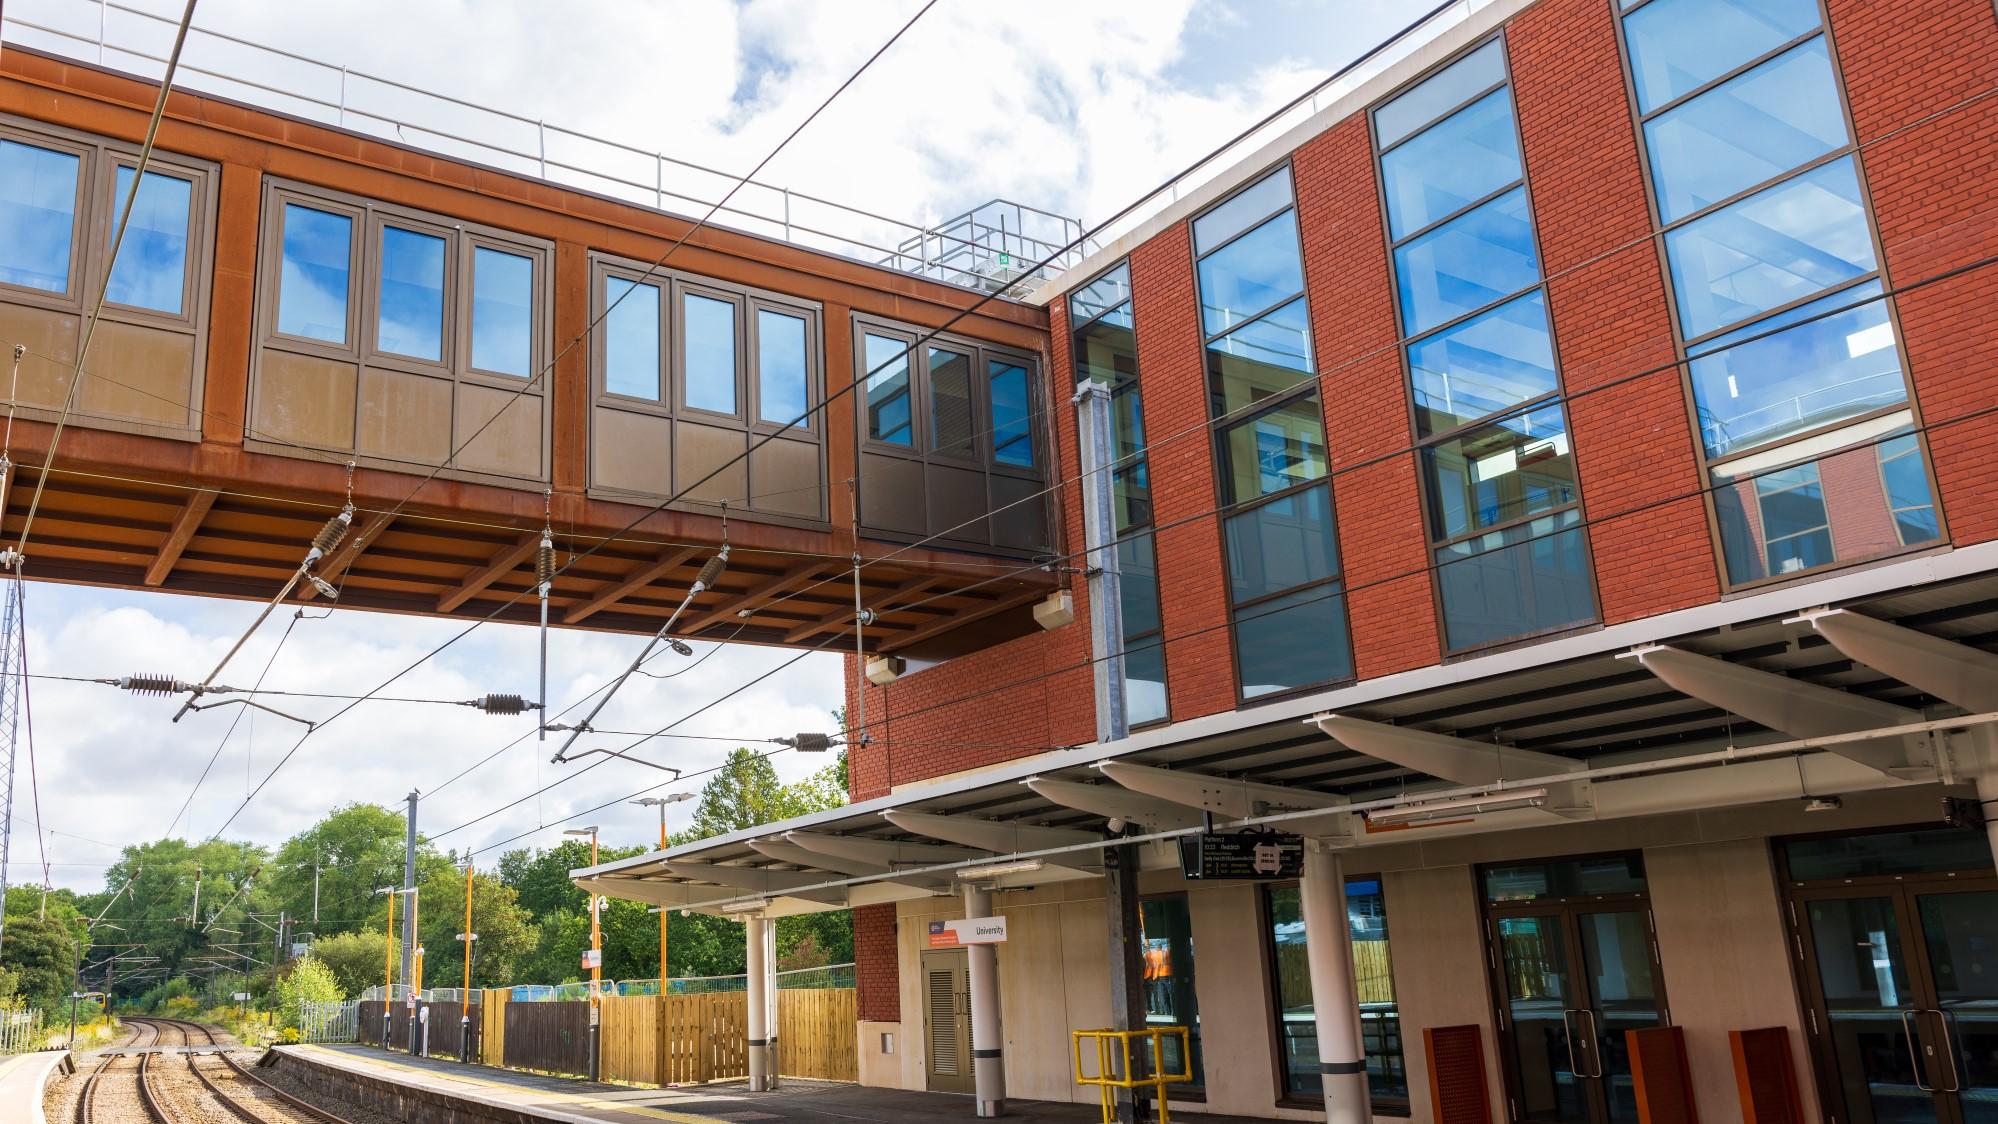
125, 37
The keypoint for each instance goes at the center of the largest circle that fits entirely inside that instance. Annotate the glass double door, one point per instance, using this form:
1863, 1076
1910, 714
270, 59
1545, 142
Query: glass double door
1904, 981
1572, 979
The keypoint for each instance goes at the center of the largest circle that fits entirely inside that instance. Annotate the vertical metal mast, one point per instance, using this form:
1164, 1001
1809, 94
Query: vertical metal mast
12, 646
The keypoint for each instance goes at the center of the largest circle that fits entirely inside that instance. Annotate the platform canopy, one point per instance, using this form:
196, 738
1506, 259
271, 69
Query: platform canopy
1528, 732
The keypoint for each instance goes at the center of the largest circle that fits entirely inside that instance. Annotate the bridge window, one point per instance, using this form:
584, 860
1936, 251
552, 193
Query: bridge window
1498, 482
950, 441
689, 371
400, 337
1795, 368
61, 196
1285, 587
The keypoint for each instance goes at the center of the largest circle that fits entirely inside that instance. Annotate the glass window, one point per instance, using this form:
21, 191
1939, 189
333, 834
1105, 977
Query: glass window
1250, 274
1145, 680
1907, 487
1796, 531
502, 312
1467, 263
1012, 417
1816, 373
631, 338
1934, 850
1166, 935
1138, 587
1528, 578
1260, 359
1101, 295
1677, 46
782, 365
1491, 362
951, 429
1245, 210
888, 417
312, 283
1565, 878
1297, 640
37, 215
708, 326
1500, 472
1107, 349
1373, 978
1274, 450
411, 318
1797, 238
1781, 115
1281, 544
151, 270
1451, 165
1440, 93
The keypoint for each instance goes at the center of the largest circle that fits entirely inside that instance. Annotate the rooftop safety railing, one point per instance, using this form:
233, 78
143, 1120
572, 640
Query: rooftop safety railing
986, 248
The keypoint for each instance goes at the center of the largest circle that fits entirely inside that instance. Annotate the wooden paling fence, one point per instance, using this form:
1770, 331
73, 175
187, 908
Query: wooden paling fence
700, 1038
817, 1033
492, 1025
446, 1037
549, 1037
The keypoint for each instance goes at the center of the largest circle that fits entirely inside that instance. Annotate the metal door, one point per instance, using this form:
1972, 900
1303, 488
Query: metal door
947, 1021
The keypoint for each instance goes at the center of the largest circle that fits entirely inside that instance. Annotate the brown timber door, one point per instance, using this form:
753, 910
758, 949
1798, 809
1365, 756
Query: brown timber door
947, 1020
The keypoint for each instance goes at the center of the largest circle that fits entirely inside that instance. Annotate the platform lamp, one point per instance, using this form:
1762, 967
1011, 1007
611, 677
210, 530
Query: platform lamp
596, 953
388, 957
660, 802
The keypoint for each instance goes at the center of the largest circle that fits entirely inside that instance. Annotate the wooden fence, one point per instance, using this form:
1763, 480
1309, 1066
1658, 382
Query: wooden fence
1373, 978
705, 1037
817, 1033
549, 1037
492, 1025
446, 1037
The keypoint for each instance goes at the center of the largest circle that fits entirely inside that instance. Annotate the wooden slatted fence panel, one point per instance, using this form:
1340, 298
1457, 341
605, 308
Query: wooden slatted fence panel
551, 1037
492, 1026
707, 1037
816, 1033
629, 1039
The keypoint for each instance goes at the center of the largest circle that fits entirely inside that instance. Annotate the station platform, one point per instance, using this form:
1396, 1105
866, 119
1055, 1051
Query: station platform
484, 1093
22, 1078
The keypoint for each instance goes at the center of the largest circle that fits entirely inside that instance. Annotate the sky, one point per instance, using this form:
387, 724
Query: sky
1076, 107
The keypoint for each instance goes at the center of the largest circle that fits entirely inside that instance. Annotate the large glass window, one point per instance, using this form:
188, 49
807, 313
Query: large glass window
888, 413
151, 270
707, 329
631, 338
1497, 473
1012, 413
1373, 977
1166, 932
502, 312
1289, 614
411, 310
38, 192
783, 368
1106, 349
1790, 344
312, 286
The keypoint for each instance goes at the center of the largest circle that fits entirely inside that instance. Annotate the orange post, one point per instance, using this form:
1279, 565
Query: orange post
468, 930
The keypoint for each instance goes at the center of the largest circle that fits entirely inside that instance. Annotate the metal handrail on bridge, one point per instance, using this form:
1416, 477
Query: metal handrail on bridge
341, 98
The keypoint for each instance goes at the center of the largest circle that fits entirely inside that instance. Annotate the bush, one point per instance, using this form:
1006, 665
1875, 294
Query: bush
305, 981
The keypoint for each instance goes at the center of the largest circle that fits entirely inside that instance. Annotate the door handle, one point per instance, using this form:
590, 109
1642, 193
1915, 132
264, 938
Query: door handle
1568, 1034
1595, 1041
1949, 1047
1914, 1059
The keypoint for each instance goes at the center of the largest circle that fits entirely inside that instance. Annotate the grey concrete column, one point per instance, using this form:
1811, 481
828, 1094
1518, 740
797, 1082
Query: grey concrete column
1342, 1058
988, 1060
758, 987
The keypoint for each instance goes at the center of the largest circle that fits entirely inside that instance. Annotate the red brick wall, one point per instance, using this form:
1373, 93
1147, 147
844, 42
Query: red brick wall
1930, 166
880, 998
1634, 442
1382, 542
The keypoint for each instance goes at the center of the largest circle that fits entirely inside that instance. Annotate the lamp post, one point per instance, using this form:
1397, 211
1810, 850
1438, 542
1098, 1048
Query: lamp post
388, 957
596, 952
465, 996
660, 802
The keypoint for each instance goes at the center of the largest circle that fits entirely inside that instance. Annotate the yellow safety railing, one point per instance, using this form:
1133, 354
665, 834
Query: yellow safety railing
1114, 1070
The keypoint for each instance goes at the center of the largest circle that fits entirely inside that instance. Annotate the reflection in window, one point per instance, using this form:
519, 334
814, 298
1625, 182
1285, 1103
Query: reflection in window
312, 284
631, 338
1906, 483
707, 326
781, 369
1373, 978
888, 413
1430, 177
411, 316
1284, 543
1680, 45
1501, 472
1259, 360
952, 431
1285, 640
1012, 418
1274, 451
502, 312
1292, 641
1250, 274
1528, 578
37, 215
1467, 263
151, 270
1491, 362
1246, 208
1144, 630
1440, 93
1166, 935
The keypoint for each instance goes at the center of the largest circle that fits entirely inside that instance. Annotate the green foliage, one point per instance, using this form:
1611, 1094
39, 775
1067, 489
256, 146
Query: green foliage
505, 930
356, 961
358, 848
305, 980
41, 954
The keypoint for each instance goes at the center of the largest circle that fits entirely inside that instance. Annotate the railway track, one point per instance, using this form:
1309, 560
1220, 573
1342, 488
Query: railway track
142, 1083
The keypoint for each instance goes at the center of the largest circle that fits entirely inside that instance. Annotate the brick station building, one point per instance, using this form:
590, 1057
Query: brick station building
1599, 389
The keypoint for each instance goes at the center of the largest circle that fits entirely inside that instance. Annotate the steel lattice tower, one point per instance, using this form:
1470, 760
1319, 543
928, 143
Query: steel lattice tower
13, 651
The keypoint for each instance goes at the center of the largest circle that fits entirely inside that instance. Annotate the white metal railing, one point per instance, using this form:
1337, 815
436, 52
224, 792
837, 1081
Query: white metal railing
828, 976
124, 37
329, 1022
20, 1030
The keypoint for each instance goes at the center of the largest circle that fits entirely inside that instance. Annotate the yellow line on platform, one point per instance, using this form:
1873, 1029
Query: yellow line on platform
567, 1098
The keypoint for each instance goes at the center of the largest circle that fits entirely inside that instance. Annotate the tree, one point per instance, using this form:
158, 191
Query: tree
358, 848
308, 980
41, 954
357, 961
153, 901
505, 930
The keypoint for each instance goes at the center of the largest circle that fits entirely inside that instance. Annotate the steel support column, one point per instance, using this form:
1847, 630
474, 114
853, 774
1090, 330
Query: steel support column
1127, 965
988, 1061
1342, 1058
754, 928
